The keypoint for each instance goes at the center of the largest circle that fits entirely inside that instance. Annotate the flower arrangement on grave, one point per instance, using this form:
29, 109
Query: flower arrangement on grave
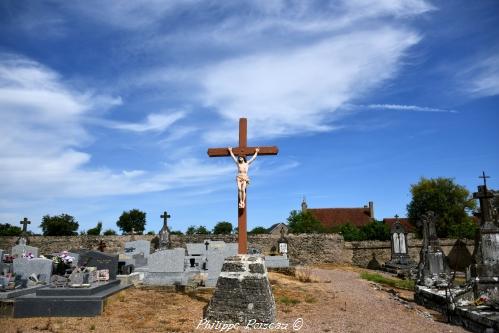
62, 262
28, 255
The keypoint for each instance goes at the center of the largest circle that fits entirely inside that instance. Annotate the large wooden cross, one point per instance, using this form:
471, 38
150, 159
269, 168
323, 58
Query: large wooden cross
242, 150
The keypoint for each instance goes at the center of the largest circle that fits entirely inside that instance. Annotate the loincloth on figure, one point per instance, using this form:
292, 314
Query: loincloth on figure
243, 178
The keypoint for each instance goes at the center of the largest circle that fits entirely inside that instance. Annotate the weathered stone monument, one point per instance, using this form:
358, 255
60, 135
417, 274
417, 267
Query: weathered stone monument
400, 261
164, 233
24, 232
485, 267
243, 289
433, 270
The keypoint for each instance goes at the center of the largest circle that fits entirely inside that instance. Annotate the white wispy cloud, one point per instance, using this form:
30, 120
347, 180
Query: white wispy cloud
299, 89
43, 137
402, 107
481, 78
156, 122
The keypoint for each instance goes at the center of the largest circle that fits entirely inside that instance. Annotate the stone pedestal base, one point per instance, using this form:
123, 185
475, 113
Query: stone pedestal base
243, 292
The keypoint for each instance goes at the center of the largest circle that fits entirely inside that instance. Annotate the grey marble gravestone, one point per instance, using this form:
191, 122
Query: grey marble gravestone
167, 261
1, 255
18, 250
41, 267
138, 247
101, 261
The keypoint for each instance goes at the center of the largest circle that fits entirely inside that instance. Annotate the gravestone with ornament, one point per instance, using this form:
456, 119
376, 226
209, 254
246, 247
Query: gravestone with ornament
485, 267
281, 260
400, 262
433, 269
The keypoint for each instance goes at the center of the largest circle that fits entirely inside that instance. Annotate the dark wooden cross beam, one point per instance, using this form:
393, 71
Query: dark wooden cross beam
165, 218
242, 150
484, 178
25, 223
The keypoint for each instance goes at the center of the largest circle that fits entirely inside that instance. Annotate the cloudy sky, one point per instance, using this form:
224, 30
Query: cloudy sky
107, 106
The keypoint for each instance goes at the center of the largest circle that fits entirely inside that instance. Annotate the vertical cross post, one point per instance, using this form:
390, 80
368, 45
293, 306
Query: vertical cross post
242, 150
484, 178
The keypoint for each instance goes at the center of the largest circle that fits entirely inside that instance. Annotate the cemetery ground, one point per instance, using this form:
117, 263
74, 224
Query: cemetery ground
328, 299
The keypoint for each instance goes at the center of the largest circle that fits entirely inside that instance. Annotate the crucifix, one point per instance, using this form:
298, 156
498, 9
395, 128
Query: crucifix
25, 223
242, 178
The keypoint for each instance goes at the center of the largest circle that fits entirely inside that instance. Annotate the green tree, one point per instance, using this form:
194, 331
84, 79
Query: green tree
202, 230
151, 233
109, 232
191, 230
351, 232
303, 222
466, 229
222, 227
95, 231
258, 231
9, 230
135, 219
59, 225
376, 230
449, 201
176, 232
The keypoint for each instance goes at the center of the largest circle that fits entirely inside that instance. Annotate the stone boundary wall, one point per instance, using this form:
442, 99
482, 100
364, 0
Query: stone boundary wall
303, 248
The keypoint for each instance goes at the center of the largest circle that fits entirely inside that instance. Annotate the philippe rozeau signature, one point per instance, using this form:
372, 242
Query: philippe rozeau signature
252, 324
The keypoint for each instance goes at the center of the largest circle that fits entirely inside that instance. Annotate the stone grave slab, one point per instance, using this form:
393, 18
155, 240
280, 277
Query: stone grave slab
101, 261
276, 261
215, 259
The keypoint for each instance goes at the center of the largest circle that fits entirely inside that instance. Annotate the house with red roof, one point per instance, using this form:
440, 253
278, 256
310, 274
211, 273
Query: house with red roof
333, 217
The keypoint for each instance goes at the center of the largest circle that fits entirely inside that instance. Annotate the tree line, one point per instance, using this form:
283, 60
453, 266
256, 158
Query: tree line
451, 203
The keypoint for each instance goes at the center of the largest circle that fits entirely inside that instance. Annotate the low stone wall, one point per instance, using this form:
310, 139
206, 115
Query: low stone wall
303, 249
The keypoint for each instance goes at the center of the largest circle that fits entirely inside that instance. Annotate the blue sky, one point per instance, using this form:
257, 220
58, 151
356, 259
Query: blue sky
109, 106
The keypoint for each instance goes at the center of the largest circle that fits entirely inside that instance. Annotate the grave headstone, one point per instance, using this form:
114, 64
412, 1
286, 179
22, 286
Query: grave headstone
164, 233
485, 269
42, 268
400, 261
20, 249
138, 247
167, 261
433, 269
101, 261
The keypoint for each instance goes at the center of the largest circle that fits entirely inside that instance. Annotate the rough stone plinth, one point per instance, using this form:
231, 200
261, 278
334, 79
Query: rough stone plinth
243, 292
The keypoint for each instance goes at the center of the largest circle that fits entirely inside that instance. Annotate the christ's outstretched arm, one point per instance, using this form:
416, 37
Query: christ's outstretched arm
254, 156
232, 154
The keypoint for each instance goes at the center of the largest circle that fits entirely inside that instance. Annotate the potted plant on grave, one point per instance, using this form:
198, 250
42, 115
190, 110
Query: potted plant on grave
62, 262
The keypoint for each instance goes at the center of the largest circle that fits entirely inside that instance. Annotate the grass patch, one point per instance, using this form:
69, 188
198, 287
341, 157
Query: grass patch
396, 283
288, 300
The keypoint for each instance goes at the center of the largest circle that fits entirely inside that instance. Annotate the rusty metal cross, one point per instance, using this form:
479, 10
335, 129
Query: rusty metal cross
242, 150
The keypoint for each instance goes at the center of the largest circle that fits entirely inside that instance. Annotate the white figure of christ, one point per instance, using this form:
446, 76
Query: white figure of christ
242, 174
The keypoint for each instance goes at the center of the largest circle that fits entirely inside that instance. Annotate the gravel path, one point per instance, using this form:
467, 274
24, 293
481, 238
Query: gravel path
349, 304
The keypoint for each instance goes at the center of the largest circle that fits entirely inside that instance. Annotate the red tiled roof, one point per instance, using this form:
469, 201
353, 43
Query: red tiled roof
332, 217
404, 221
